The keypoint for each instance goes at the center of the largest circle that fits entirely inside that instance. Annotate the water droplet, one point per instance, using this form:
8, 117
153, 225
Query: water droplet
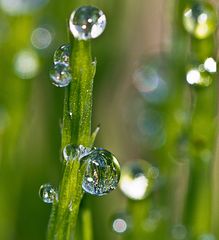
47, 193
26, 64
41, 38
179, 232
102, 172
136, 181
87, 22
60, 75
121, 223
72, 152
207, 236
200, 19
62, 55
200, 75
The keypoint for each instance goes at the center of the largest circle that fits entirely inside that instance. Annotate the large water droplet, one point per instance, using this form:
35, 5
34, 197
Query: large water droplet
200, 19
102, 172
62, 55
138, 179
60, 75
47, 193
72, 152
121, 223
87, 22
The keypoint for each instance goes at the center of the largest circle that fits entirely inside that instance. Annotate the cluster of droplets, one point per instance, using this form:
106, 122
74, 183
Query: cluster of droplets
200, 19
138, 179
102, 170
60, 74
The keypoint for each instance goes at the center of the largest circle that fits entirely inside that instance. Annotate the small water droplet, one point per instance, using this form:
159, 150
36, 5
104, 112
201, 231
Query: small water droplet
72, 152
47, 193
121, 223
152, 221
102, 172
136, 181
200, 19
87, 22
62, 55
60, 75
179, 232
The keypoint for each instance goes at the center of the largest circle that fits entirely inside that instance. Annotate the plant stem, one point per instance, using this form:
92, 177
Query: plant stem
77, 131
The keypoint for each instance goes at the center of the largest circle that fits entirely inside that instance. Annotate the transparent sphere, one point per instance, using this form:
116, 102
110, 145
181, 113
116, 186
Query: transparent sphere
138, 179
60, 75
72, 152
87, 22
47, 193
62, 55
121, 223
200, 19
102, 172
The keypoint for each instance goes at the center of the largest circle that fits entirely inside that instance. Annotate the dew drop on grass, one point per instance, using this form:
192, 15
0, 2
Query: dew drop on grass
87, 22
121, 223
138, 179
47, 193
62, 55
60, 75
102, 172
200, 19
72, 152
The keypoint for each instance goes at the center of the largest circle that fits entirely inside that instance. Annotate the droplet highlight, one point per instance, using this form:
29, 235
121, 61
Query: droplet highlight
102, 172
60, 75
200, 19
62, 55
138, 179
87, 22
47, 193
